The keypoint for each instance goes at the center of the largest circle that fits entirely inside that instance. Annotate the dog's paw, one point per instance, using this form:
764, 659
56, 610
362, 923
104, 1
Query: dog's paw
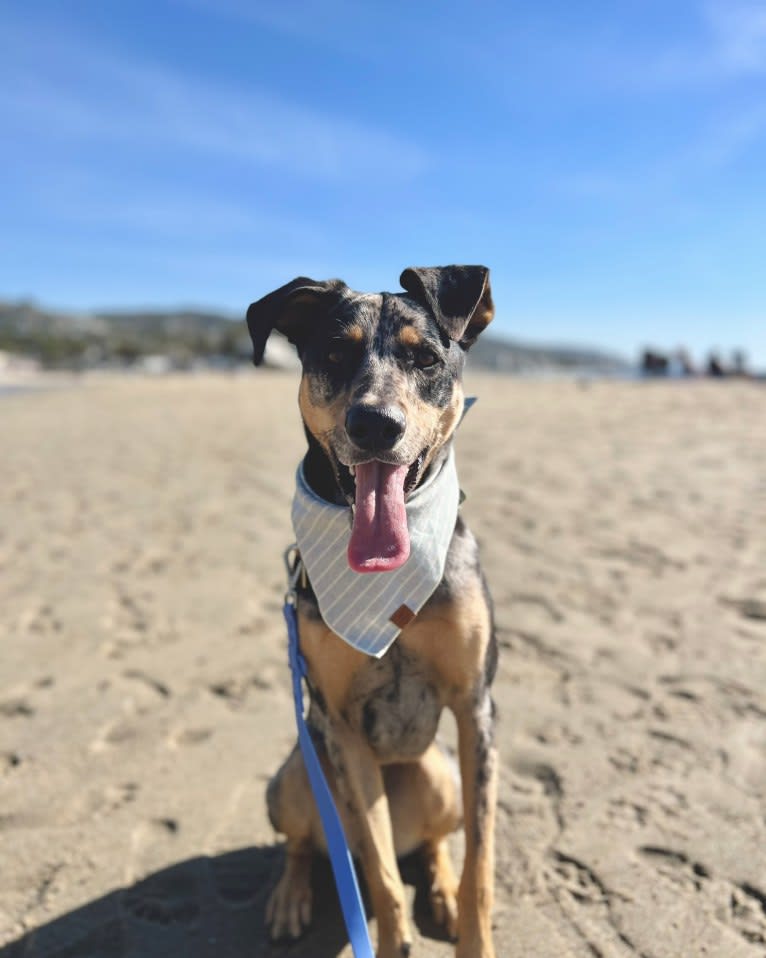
443, 898
288, 911
403, 950
475, 950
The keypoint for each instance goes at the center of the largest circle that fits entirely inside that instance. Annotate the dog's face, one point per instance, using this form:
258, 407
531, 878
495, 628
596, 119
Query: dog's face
381, 387
380, 381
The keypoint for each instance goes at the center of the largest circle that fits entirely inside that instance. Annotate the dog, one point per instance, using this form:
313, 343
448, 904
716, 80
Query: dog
380, 396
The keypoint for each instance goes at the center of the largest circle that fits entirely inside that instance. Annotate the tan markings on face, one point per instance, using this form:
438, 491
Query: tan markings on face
322, 421
431, 426
409, 336
355, 334
450, 415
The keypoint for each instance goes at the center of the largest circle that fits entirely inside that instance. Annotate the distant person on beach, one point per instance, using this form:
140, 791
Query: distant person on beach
654, 363
715, 366
679, 363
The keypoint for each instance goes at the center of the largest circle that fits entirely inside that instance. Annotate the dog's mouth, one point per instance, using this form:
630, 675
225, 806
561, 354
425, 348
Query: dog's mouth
380, 539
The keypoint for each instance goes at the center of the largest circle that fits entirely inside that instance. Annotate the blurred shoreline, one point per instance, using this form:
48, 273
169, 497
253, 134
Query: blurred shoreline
161, 342
35, 339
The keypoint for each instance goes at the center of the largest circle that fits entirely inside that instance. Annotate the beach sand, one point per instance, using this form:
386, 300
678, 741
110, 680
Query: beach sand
144, 691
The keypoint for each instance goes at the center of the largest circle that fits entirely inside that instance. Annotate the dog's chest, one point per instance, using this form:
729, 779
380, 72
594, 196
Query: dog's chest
395, 705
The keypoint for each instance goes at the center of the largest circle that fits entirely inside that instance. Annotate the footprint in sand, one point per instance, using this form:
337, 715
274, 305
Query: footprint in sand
586, 903
624, 760
16, 707
165, 899
116, 796
146, 697
747, 913
235, 690
237, 882
19, 702
189, 736
149, 682
40, 619
742, 906
570, 875
152, 846
114, 733
626, 813
239, 876
748, 608
675, 866
9, 761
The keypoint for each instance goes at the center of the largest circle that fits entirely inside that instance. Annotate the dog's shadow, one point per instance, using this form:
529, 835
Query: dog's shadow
200, 908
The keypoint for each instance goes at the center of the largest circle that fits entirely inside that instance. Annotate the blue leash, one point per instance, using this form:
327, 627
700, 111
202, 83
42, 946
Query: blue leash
340, 856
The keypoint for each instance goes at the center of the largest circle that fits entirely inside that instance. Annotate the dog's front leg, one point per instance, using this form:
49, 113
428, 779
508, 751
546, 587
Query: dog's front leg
360, 782
478, 771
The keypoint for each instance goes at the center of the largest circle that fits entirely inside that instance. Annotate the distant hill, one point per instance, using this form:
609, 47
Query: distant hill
90, 340
511, 356
185, 338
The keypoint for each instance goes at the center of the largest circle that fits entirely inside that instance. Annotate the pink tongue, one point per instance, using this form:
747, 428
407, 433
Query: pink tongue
380, 540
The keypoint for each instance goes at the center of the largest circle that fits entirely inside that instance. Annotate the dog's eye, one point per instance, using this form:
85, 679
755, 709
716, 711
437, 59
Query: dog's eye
425, 358
337, 352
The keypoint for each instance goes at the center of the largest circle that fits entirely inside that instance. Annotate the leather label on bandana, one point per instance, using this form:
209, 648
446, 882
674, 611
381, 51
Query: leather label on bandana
403, 616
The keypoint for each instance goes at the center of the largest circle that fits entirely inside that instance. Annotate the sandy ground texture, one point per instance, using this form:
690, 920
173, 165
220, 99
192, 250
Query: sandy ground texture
144, 694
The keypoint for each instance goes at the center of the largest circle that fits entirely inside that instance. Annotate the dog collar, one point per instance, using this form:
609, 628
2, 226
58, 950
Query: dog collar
369, 610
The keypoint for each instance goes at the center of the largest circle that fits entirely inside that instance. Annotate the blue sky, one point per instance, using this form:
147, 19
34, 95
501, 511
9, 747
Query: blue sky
606, 160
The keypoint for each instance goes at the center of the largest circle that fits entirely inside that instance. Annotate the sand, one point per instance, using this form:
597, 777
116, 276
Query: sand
144, 694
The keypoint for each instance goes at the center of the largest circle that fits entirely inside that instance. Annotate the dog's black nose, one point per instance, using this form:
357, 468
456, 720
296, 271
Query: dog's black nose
375, 428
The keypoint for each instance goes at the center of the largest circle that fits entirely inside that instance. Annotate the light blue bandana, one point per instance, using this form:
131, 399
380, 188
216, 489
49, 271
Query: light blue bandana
369, 610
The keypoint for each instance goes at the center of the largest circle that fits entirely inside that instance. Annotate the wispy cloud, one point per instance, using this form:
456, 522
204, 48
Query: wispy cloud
729, 138
672, 173
300, 18
189, 219
739, 35
376, 30
82, 94
725, 41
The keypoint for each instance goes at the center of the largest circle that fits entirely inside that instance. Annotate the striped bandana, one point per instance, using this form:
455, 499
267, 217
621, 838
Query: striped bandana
369, 610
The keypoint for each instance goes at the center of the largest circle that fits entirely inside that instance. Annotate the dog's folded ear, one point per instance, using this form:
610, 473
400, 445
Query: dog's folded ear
292, 309
458, 297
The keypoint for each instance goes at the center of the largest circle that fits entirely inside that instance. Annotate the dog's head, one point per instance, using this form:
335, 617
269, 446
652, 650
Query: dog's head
381, 387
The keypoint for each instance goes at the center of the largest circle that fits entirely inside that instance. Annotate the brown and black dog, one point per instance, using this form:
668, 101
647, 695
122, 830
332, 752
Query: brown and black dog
381, 390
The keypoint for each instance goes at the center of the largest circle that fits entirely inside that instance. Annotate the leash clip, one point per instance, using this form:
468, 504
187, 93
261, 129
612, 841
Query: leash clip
294, 569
